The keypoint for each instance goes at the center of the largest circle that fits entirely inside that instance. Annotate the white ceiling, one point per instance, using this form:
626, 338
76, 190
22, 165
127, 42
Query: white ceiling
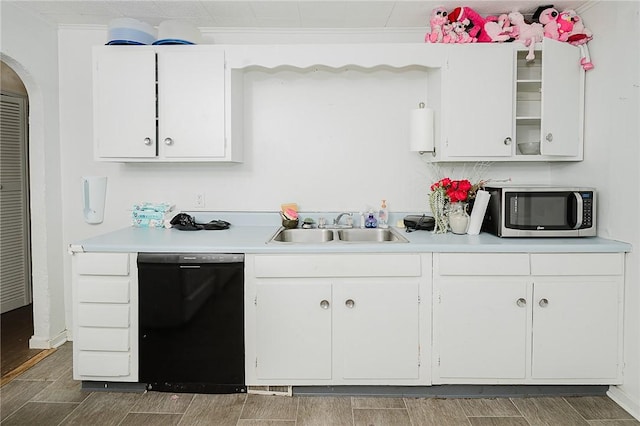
271, 13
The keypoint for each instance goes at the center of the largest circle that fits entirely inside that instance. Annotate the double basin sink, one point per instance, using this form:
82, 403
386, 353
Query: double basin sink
348, 235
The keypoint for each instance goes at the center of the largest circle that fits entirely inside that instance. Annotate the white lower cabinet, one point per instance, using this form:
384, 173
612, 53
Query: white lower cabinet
348, 327
105, 312
555, 319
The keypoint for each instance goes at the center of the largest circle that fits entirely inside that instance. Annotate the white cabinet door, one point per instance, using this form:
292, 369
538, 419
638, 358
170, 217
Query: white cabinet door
191, 103
575, 329
376, 333
562, 100
124, 121
480, 328
479, 102
293, 330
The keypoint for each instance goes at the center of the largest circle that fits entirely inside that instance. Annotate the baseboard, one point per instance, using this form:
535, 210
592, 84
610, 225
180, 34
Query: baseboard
632, 406
37, 342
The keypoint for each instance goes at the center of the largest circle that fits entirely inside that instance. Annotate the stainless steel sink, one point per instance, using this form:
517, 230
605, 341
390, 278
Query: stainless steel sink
309, 236
337, 236
376, 235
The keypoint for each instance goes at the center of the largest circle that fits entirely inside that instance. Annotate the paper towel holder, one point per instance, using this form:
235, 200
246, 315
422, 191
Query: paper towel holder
421, 138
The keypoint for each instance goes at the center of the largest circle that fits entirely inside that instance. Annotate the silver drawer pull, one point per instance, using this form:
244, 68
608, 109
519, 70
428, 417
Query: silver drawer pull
324, 304
147, 141
521, 302
168, 141
349, 303
543, 303
507, 141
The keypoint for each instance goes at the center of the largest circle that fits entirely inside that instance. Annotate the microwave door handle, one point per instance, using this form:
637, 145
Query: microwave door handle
579, 210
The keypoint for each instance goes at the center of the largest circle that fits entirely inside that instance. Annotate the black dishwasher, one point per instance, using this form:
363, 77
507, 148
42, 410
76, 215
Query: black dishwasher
191, 315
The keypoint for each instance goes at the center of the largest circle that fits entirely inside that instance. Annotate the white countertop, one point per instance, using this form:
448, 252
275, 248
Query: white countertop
242, 237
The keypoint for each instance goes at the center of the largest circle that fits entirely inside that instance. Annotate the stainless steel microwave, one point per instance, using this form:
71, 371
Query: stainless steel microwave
540, 211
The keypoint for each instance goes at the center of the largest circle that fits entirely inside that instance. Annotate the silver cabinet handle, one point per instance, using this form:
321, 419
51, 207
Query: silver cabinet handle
507, 141
349, 303
147, 141
324, 304
549, 137
521, 302
168, 141
543, 303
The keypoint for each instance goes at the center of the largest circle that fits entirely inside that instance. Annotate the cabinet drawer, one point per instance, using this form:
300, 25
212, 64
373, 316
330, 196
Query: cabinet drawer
103, 289
346, 265
98, 315
577, 263
102, 263
103, 339
483, 264
106, 364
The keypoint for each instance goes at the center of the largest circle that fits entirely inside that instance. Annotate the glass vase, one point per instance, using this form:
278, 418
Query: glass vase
458, 217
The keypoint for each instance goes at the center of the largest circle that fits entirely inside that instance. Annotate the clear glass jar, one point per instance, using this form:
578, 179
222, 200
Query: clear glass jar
458, 217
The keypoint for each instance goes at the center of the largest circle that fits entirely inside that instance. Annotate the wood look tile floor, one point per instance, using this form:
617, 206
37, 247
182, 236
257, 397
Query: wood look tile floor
46, 394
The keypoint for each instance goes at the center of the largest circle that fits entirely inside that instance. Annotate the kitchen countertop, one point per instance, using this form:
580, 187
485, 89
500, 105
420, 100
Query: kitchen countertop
249, 234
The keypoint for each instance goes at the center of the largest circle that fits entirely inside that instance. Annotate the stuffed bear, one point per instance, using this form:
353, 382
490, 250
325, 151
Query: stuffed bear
440, 27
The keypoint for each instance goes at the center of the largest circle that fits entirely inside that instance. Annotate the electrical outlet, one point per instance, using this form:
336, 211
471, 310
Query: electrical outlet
199, 200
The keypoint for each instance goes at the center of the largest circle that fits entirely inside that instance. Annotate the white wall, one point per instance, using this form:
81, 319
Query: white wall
612, 157
30, 47
330, 141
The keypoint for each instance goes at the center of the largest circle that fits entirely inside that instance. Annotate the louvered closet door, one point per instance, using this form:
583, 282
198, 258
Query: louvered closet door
15, 288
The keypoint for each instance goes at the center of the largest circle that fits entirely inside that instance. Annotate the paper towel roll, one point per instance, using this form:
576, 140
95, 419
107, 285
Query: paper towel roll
477, 214
421, 131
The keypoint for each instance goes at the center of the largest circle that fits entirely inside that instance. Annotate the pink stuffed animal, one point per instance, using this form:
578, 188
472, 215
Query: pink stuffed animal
461, 34
476, 22
528, 34
440, 27
577, 35
547, 16
499, 28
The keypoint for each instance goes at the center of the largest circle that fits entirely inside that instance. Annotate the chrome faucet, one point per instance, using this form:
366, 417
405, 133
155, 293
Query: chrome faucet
336, 221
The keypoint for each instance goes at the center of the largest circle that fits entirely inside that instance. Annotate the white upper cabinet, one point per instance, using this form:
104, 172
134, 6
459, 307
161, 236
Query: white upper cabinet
160, 103
124, 89
493, 99
478, 102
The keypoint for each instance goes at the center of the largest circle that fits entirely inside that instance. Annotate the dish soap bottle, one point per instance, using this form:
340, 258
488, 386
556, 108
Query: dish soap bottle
371, 221
383, 215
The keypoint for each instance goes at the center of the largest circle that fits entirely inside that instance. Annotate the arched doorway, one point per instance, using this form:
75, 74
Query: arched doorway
15, 263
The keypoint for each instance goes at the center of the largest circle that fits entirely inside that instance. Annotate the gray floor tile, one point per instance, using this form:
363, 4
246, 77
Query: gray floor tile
216, 410
249, 422
103, 408
155, 419
65, 389
598, 408
17, 393
381, 417
435, 411
613, 422
489, 407
548, 411
498, 421
40, 413
162, 402
324, 410
373, 402
52, 367
265, 407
